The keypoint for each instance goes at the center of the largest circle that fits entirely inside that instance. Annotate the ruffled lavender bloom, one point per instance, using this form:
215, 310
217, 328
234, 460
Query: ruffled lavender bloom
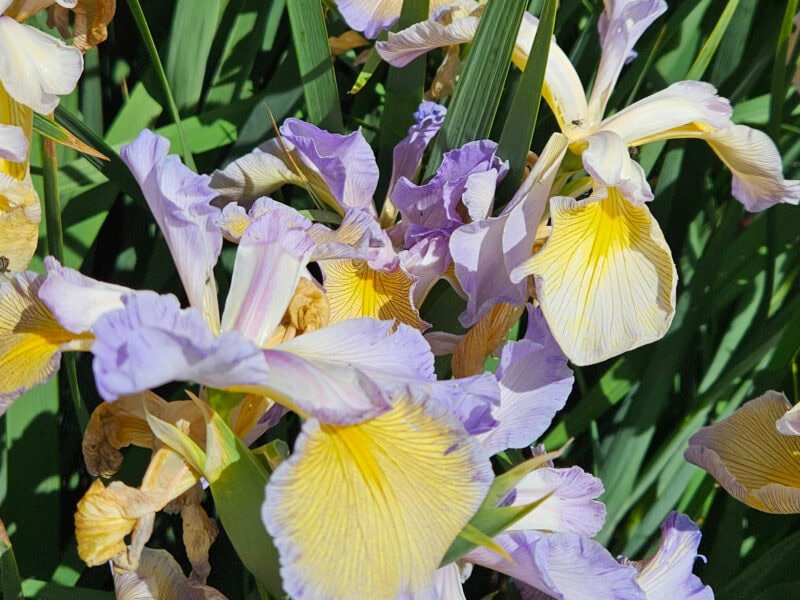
668, 573
407, 155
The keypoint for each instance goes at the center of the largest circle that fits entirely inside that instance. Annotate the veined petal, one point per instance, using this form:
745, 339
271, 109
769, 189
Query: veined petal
621, 25
607, 160
605, 278
449, 583
668, 573
345, 162
272, 255
13, 143
571, 506
682, 104
340, 374
403, 47
78, 301
563, 565
535, 382
19, 222
563, 90
180, 202
35, 67
31, 340
371, 16
368, 511
256, 174
12, 113
756, 166
153, 342
483, 339
357, 236
355, 290
750, 458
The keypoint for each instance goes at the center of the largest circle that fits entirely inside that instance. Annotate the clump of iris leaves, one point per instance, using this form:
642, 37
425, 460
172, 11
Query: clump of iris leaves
735, 334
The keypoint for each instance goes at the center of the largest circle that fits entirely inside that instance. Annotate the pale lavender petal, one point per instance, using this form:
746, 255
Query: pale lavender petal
272, 256
344, 373
535, 382
180, 201
571, 507
471, 399
432, 207
13, 143
372, 17
486, 252
621, 25
358, 236
407, 154
788, 424
345, 162
668, 574
607, 160
448, 583
427, 260
563, 565
403, 47
153, 342
78, 301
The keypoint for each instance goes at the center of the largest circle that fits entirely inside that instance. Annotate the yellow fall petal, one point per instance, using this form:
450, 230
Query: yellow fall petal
747, 455
368, 510
355, 290
483, 338
605, 278
30, 337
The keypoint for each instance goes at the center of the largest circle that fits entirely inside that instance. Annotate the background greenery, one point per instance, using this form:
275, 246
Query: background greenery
737, 328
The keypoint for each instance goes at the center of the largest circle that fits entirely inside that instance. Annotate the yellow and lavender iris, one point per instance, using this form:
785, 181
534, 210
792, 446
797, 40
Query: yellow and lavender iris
605, 276
754, 453
371, 17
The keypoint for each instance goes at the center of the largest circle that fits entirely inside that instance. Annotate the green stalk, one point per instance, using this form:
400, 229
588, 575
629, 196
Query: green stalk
141, 23
778, 89
55, 245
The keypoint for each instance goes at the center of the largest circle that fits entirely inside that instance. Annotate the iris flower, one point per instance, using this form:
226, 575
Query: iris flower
754, 453
605, 277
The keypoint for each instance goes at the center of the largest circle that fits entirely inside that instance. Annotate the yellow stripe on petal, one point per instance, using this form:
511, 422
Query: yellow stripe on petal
30, 337
18, 115
355, 290
747, 455
369, 510
605, 278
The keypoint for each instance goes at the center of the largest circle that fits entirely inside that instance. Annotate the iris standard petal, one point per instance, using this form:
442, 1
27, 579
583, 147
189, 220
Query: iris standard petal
621, 25
180, 202
153, 342
605, 278
345, 162
563, 565
750, 458
535, 382
35, 67
272, 256
401, 48
407, 154
570, 507
372, 16
369, 510
668, 573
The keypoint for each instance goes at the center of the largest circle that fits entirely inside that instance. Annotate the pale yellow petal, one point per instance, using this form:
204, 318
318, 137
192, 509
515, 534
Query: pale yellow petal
19, 232
368, 510
30, 337
355, 290
747, 455
605, 278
